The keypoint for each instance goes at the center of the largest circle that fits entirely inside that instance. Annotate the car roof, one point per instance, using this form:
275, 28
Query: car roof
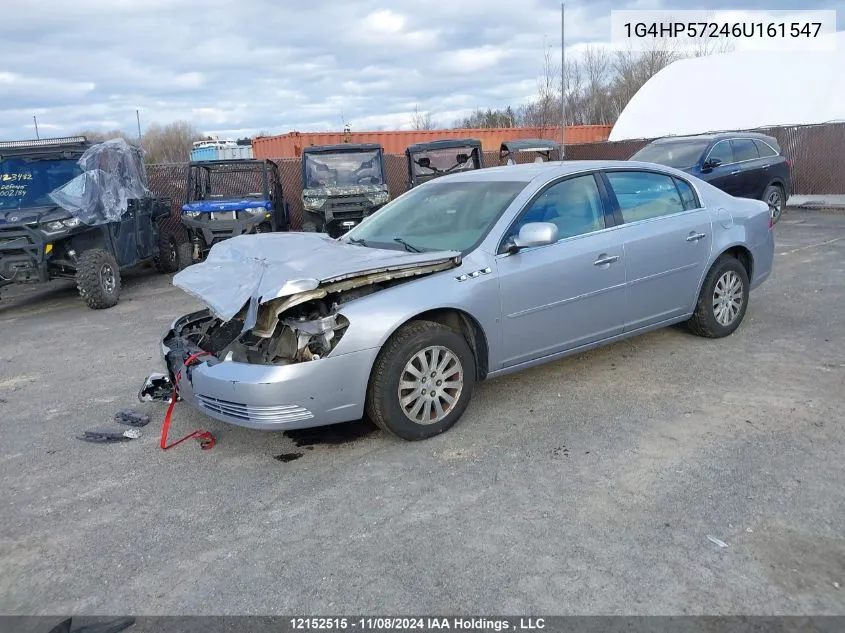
714, 136
551, 169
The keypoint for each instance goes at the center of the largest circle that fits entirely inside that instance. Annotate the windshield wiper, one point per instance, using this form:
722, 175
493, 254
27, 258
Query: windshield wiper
357, 240
408, 247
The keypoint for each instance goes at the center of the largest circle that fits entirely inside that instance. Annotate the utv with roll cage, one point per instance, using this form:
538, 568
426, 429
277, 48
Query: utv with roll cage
70, 209
439, 158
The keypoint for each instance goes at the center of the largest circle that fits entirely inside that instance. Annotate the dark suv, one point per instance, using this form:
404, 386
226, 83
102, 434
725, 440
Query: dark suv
743, 164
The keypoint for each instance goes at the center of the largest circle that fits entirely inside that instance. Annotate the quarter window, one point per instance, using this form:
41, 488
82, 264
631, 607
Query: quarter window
573, 205
643, 195
688, 197
763, 149
744, 149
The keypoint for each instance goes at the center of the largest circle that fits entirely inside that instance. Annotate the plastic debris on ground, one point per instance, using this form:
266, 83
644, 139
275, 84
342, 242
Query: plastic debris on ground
131, 418
109, 436
716, 541
157, 387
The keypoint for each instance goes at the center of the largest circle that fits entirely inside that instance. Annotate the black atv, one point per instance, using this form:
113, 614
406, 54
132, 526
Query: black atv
439, 158
232, 197
73, 210
341, 185
544, 151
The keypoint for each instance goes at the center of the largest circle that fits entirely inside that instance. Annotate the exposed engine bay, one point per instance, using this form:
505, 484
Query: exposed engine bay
302, 327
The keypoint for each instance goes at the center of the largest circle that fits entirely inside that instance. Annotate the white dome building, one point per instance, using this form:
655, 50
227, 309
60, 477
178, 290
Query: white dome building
739, 91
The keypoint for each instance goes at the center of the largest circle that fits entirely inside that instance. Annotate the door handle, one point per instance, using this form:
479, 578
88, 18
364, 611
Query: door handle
694, 237
603, 260
734, 173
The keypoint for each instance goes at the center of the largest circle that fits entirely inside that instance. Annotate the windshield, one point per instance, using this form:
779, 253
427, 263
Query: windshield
678, 154
451, 215
226, 183
342, 169
443, 160
26, 182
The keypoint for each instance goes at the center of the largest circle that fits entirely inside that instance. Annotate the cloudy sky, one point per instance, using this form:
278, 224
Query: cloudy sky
235, 67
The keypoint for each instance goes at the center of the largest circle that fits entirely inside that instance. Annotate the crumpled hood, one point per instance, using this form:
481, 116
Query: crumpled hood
268, 266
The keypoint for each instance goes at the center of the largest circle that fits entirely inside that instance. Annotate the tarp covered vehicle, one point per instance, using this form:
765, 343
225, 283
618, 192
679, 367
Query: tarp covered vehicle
544, 149
341, 185
233, 197
70, 209
438, 158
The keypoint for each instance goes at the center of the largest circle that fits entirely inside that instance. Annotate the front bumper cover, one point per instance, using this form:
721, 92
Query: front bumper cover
269, 397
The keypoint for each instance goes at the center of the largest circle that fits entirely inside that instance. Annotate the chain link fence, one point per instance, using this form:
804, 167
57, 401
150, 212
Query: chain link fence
816, 152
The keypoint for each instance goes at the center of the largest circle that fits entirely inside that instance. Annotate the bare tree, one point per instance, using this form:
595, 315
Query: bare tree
544, 110
421, 120
170, 143
489, 118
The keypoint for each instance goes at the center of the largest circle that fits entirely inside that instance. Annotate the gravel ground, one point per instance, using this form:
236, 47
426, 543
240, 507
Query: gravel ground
592, 485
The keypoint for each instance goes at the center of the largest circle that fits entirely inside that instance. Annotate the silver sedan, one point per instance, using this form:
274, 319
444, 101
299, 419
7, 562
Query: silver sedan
464, 278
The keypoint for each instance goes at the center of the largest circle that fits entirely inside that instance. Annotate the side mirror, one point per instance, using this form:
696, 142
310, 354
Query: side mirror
462, 158
534, 234
712, 163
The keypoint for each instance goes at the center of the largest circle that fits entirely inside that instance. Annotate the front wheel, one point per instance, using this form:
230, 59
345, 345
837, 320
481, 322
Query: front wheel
723, 299
98, 279
421, 382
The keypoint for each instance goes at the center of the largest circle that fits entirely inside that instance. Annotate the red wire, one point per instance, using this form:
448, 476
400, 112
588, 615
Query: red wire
207, 440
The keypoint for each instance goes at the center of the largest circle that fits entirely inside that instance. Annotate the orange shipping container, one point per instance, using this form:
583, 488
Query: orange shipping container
394, 142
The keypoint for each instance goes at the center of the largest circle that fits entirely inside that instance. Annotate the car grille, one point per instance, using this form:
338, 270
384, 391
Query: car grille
251, 413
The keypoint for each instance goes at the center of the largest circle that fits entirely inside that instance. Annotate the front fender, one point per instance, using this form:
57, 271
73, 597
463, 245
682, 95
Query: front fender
375, 317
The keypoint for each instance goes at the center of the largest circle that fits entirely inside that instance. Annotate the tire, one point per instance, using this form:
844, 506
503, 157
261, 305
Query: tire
774, 195
174, 249
98, 279
404, 348
706, 320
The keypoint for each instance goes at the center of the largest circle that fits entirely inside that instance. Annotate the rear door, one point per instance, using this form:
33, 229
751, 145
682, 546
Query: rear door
667, 236
750, 168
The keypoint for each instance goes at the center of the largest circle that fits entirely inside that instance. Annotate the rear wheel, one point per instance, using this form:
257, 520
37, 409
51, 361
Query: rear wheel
775, 198
421, 382
723, 299
98, 279
174, 249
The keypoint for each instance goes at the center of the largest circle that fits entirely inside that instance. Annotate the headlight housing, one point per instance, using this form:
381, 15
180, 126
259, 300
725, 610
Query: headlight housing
60, 225
378, 197
312, 203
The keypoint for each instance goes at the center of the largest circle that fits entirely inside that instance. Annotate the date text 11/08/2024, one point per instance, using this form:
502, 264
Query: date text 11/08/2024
418, 623
715, 30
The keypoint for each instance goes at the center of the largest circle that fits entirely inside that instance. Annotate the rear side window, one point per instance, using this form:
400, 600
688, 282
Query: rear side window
744, 149
723, 151
643, 195
764, 150
688, 197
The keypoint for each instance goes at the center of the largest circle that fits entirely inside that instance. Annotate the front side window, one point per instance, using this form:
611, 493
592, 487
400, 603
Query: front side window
645, 195
573, 205
722, 151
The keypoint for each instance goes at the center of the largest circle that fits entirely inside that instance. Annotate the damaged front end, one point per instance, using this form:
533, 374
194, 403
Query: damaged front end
302, 327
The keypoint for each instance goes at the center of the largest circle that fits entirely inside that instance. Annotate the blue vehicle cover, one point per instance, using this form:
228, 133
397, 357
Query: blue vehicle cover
207, 206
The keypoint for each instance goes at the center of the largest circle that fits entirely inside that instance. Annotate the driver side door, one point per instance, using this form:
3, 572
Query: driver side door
568, 294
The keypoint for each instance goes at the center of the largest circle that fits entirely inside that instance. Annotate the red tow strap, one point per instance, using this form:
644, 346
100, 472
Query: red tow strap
205, 438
